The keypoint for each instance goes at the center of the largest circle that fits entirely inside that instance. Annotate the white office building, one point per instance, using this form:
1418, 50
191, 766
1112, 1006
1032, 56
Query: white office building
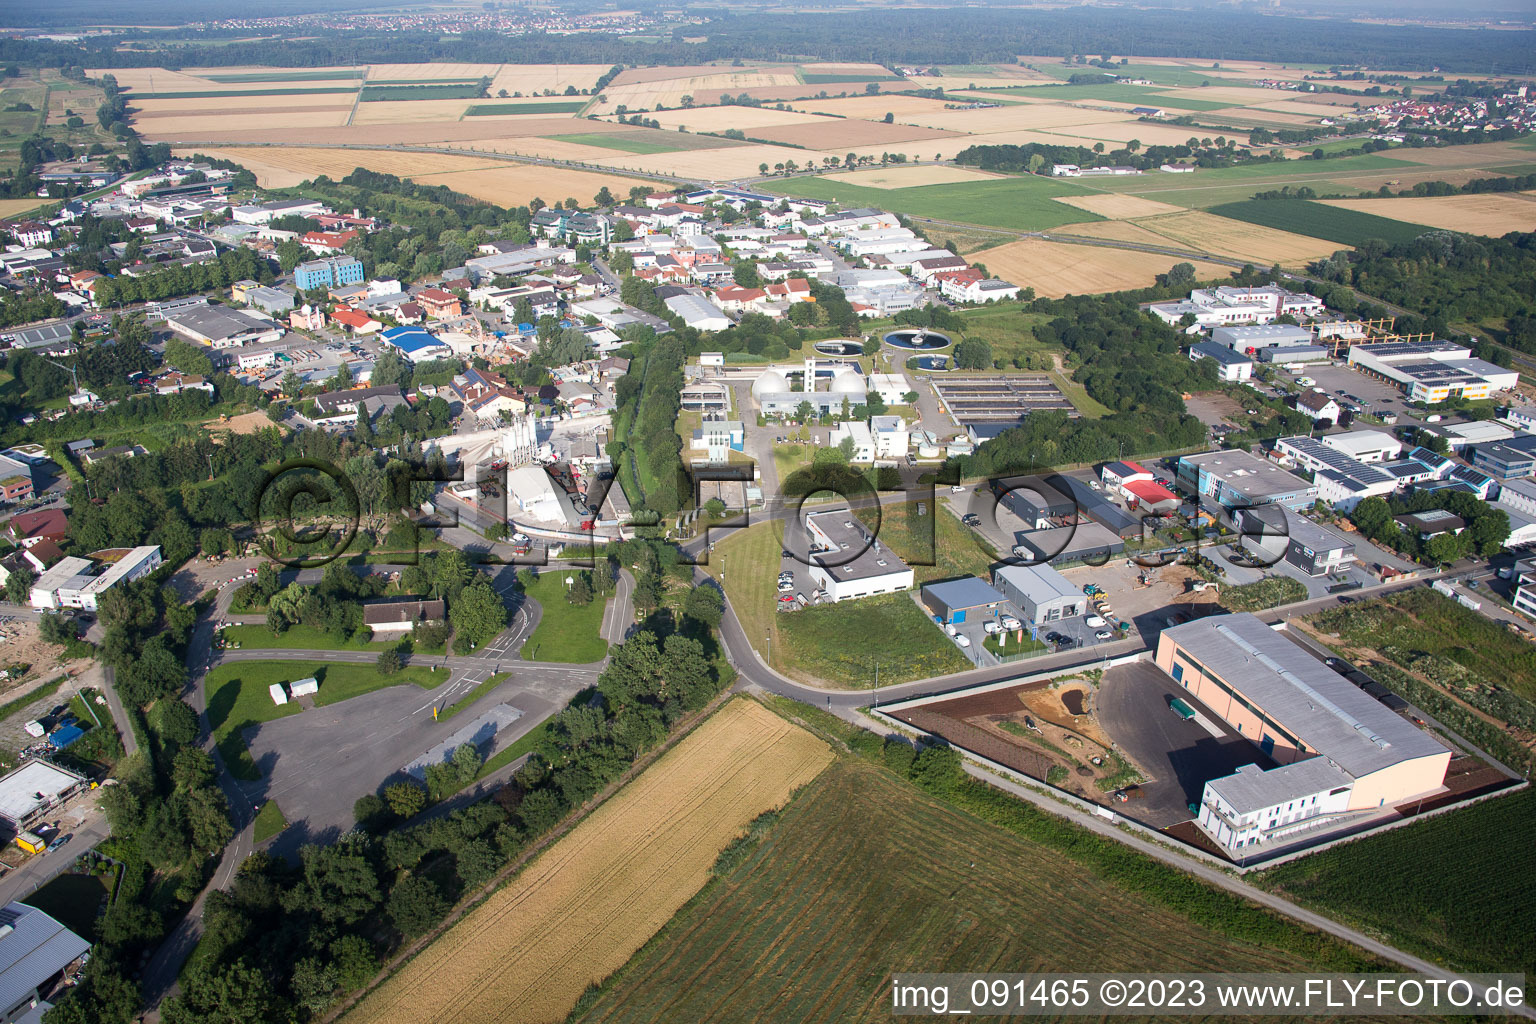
847, 562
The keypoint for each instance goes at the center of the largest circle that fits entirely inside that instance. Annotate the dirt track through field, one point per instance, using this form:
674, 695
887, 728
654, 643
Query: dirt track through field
582, 909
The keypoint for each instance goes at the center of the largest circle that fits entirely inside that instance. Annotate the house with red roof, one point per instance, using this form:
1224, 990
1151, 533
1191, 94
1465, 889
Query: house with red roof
439, 304
28, 528
326, 241
356, 321
736, 299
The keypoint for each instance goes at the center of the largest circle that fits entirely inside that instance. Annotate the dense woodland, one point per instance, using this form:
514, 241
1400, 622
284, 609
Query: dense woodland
937, 36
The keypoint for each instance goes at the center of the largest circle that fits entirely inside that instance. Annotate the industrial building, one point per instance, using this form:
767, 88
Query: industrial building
1341, 481
1039, 592
1432, 371
1275, 532
1339, 752
964, 600
35, 952
220, 327
1256, 338
393, 619
1230, 365
33, 790
1514, 459
847, 562
74, 583
1234, 479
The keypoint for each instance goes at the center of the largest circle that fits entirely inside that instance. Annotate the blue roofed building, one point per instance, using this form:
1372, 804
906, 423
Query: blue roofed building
416, 344
968, 599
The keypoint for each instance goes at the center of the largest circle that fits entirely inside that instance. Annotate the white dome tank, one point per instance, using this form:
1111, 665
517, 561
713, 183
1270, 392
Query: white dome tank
769, 382
849, 383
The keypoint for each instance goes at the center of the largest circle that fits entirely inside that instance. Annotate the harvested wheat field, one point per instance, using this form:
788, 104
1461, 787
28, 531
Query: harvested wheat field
1124, 131
513, 184
418, 72
718, 119
1237, 95
11, 207
215, 125
712, 164
1235, 239
832, 132
406, 111
158, 79
1493, 215
1486, 154
277, 167
1112, 230
588, 903
419, 134
1118, 207
872, 70
663, 73
906, 176
1311, 108
1054, 269
875, 106
534, 78
1020, 116
234, 104
670, 92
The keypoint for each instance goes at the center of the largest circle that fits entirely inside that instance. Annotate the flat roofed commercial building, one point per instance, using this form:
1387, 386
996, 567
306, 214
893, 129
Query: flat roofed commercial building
1041, 593
847, 562
1237, 478
72, 584
33, 789
968, 599
1295, 709
220, 327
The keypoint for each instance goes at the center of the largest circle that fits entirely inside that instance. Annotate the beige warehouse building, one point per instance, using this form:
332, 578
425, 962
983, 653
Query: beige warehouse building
1340, 754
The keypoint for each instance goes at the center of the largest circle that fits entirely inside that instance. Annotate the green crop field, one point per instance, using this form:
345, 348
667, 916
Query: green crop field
1023, 203
1162, 74
288, 76
1347, 227
1157, 99
1454, 889
566, 632
864, 876
382, 93
552, 107
238, 698
220, 94
617, 140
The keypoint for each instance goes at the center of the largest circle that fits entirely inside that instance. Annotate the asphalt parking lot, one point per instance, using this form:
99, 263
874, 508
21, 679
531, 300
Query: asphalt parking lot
1181, 756
1378, 396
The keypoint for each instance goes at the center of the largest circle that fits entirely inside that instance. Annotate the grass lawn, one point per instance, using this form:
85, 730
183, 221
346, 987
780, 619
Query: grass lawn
1446, 888
1347, 227
842, 644
295, 638
1008, 331
937, 546
269, 821
617, 140
238, 698
864, 876
1012, 647
1025, 203
566, 632
475, 694
72, 900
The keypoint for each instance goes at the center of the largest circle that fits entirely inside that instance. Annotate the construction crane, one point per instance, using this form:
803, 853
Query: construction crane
73, 374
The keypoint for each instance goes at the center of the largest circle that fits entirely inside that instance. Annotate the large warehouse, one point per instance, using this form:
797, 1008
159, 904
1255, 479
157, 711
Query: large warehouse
1339, 751
1432, 371
1040, 592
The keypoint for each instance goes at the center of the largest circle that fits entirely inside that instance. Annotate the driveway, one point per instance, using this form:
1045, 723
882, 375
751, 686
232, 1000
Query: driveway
1180, 755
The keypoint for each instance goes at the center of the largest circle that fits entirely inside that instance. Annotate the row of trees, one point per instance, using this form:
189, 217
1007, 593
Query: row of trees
1487, 527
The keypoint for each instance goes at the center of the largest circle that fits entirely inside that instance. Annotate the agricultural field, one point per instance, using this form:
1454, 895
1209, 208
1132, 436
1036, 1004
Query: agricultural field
520, 107
1024, 203
719, 119
1234, 239
1300, 216
1054, 269
1439, 888
909, 176
627, 142
1489, 214
827, 133
594, 898
451, 91
858, 880
1116, 207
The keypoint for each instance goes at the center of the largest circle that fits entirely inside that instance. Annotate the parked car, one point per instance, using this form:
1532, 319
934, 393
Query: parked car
1009, 622
992, 627
785, 586
1094, 621
1103, 634
957, 489
1054, 637
962, 640
786, 599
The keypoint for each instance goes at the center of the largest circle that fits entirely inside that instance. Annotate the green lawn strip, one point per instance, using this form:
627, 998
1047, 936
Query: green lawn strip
396, 93
269, 821
238, 698
617, 140
566, 632
1024, 202
27, 700
525, 744
550, 107
843, 644
1347, 227
196, 94
475, 694
295, 638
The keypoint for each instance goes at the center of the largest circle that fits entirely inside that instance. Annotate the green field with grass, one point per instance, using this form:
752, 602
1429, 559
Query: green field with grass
566, 632
864, 876
206, 94
289, 76
1347, 227
1453, 889
383, 93
937, 545
269, 821
238, 698
617, 140
550, 107
845, 644
1024, 203
294, 638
